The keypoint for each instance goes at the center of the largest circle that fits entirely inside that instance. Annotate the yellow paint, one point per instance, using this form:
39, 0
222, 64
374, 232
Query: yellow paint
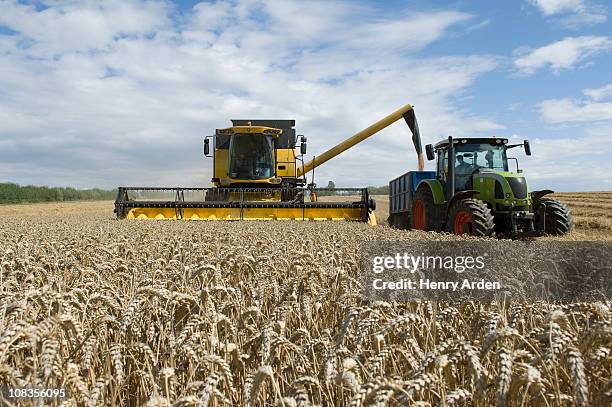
221, 163
331, 214
247, 130
286, 157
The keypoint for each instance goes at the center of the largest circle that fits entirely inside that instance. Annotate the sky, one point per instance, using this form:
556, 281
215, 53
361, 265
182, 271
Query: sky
122, 92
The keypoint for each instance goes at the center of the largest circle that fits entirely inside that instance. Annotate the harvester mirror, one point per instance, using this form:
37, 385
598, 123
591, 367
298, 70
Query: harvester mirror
206, 147
527, 147
429, 150
303, 145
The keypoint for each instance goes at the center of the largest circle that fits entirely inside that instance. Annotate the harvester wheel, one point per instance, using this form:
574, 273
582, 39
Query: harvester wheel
558, 218
424, 211
471, 216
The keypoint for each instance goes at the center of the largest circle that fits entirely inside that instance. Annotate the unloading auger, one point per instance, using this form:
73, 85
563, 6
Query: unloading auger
259, 175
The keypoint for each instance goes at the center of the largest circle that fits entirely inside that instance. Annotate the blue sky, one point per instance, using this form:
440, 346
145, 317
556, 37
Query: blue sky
120, 92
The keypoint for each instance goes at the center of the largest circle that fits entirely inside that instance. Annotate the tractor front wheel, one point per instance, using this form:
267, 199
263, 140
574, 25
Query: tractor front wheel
470, 216
424, 215
557, 218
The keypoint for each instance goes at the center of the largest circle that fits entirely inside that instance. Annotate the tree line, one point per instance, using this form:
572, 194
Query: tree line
14, 193
383, 190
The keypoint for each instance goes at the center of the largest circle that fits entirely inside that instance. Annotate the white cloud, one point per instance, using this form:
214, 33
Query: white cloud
568, 111
572, 163
550, 7
82, 26
118, 92
564, 54
572, 13
599, 93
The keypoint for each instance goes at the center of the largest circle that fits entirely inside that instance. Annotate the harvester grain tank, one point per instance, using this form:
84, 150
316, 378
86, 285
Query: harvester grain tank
259, 175
476, 194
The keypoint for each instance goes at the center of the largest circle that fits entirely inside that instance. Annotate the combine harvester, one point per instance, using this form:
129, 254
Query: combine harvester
258, 176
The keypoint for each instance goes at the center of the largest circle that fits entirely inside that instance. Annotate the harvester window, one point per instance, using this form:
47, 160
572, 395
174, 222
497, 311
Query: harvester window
251, 157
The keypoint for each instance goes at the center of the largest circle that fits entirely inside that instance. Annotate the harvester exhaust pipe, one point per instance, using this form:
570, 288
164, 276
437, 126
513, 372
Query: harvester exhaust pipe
405, 111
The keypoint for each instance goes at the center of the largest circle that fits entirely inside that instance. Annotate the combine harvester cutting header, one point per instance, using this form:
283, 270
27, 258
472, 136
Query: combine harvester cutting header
258, 176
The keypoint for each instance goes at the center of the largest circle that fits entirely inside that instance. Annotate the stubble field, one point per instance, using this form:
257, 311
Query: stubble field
193, 313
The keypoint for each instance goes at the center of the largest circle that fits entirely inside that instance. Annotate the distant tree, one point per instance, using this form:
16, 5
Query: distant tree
383, 190
13, 193
331, 185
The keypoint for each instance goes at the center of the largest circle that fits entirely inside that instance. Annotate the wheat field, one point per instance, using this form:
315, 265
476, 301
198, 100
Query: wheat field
225, 313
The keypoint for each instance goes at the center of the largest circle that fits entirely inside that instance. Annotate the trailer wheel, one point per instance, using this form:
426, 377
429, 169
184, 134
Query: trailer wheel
470, 216
423, 215
558, 218
399, 221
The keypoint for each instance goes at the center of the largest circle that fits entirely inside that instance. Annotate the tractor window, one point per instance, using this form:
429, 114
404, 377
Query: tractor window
251, 157
442, 164
485, 156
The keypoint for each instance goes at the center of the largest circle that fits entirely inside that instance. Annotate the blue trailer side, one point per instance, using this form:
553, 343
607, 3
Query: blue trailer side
401, 195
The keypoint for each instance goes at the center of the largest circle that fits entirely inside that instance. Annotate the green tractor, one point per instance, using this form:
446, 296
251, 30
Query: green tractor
477, 194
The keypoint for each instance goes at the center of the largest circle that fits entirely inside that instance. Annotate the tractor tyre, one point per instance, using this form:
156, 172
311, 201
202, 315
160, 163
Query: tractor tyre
558, 218
471, 216
424, 216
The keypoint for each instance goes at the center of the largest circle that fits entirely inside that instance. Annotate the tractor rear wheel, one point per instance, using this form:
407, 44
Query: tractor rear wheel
557, 219
470, 216
424, 215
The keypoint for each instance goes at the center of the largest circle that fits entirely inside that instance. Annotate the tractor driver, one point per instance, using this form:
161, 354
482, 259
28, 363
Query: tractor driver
489, 158
463, 172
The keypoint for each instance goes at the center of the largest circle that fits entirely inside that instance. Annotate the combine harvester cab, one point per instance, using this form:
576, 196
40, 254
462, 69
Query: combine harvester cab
259, 175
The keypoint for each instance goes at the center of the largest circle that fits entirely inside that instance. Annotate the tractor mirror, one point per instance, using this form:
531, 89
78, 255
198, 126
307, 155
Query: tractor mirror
429, 150
527, 147
206, 147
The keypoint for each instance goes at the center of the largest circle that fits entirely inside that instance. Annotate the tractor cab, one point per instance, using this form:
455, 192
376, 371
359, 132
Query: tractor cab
470, 156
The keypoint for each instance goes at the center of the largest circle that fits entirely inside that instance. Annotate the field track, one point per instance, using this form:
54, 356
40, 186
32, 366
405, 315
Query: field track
268, 313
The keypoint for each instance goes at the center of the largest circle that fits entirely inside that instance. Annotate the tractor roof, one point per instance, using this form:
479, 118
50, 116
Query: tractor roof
472, 140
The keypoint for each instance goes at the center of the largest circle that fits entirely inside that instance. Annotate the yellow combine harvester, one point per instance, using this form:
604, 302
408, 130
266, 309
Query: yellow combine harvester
258, 175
